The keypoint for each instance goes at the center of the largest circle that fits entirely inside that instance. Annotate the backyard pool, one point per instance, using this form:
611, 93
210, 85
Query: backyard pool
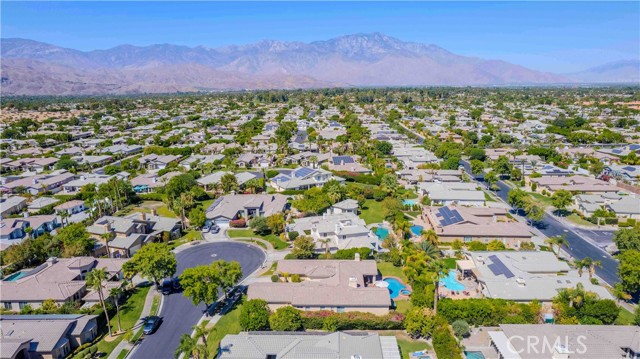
395, 287
382, 233
416, 230
15, 276
450, 282
408, 202
474, 355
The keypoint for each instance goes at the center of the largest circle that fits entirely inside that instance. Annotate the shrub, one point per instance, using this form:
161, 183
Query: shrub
460, 328
353, 320
238, 223
293, 235
476, 246
272, 173
292, 192
534, 186
422, 295
254, 315
295, 278
330, 324
151, 196
419, 322
379, 194
444, 343
285, 319
260, 226
488, 311
275, 278
365, 253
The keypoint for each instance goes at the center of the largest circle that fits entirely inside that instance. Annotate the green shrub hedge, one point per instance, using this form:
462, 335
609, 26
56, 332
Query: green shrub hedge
352, 320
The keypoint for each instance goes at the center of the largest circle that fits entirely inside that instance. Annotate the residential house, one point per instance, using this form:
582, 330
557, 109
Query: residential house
209, 182
302, 178
336, 231
574, 184
14, 230
58, 279
542, 341
347, 206
149, 182
295, 345
231, 207
199, 160
12, 205
157, 162
448, 193
37, 164
333, 285
476, 224
47, 336
70, 207
626, 173
41, 203
346, 164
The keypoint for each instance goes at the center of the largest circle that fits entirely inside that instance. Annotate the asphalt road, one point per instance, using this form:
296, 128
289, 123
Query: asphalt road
178, 314
578, 247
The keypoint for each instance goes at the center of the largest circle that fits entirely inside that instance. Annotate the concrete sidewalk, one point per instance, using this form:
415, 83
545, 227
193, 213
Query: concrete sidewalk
146, 311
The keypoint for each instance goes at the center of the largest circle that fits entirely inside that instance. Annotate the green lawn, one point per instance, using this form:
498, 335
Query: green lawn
228, 324
129, 315
408, 346
123, 354
372, 212
388, 269
488, 198
403, 306
271, 270
164, 211
190, 236
155, 304
625, 317
275, 241
574, 218
258, 243
544, 199
450, 263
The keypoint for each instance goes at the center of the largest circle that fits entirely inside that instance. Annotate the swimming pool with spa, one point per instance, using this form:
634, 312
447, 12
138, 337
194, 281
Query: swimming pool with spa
382, 233
450, 282
395, 287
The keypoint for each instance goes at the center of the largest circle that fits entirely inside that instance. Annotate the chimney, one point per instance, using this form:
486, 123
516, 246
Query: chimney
153, 212
337, 228
83, 178
155, 179
107, 226
353, 282
52, 260
34, 181
357, 257
143, 216
25, 214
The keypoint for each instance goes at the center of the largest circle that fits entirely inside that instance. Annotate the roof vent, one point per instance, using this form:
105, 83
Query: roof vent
356, 356
520, 281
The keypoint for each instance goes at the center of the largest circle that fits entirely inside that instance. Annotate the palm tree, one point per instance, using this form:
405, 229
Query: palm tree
64, 216
592, 267
429, 249
115, 293
580, 265
95, 281
201, 332
181, 204
620, 293
439, 269
107, 236
558, 241
326, 242
430, 236
189, 347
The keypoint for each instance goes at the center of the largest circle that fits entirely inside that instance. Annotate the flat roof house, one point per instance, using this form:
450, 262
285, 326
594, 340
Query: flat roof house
287, 345
334, 285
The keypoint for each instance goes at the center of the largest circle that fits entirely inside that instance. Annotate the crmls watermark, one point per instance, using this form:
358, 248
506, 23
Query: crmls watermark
532, 344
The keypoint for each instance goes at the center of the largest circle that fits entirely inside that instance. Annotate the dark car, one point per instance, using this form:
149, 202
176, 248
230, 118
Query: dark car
151, 325
176, 284
167, 286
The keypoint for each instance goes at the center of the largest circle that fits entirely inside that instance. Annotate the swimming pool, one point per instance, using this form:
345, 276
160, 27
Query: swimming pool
382, 233
15, 276
395, 286
450, 282
408, 202
474, 355
416, 229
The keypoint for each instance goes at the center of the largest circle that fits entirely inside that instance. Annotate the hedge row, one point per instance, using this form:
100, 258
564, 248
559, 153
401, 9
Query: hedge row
352, 320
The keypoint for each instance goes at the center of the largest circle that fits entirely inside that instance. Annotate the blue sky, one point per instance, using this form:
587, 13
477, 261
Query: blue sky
548, 36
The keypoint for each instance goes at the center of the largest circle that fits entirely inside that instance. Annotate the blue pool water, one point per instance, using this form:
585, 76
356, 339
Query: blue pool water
474, 355
382, 233
395, 286
408, 202
450, 282
15, 276
416, 229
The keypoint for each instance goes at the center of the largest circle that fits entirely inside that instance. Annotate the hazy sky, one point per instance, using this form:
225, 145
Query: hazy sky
548, 36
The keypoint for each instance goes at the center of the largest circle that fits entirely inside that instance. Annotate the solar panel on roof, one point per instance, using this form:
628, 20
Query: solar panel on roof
340, 160
302, 172
497, 267
214, 204
448, 216
616, 151
629, 168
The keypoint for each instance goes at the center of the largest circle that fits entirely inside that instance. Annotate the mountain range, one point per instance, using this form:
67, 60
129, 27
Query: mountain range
35, 68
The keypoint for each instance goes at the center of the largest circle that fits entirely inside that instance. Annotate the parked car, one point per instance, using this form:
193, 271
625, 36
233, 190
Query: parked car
151, 325
214, 229
206, 228
167, 286
176, 284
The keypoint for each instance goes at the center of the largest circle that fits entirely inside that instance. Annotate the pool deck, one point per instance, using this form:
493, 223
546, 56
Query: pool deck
471, 290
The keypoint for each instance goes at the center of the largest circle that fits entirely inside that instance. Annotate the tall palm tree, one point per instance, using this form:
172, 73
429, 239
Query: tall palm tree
439, 269
326, 242
620, 293
557, 241
107, 236
430, 236
592, 267
201, 332
95, 281
580, 265
115, 294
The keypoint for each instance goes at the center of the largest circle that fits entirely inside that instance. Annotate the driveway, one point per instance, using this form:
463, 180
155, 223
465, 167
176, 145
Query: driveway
178, 313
